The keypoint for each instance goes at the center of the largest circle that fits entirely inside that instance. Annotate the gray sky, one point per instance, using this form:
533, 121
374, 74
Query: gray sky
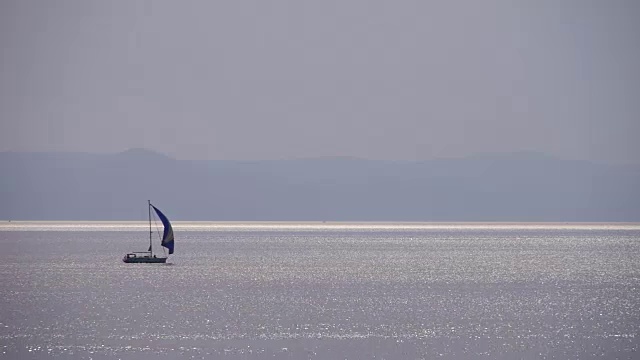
284, 79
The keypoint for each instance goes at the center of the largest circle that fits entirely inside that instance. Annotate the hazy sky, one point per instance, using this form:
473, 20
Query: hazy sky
284, 79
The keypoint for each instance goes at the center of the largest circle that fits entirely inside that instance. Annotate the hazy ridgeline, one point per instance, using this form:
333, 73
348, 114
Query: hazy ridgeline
509, 187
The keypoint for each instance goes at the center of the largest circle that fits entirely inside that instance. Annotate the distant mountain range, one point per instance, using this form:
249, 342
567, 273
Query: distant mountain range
496, 187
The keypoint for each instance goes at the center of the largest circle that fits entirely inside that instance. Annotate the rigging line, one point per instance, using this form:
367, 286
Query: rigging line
155, 222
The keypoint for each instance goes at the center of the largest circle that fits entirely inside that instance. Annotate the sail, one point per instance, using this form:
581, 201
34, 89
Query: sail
167, 236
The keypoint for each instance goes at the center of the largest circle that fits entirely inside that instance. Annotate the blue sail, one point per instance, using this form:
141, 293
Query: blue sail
167, 236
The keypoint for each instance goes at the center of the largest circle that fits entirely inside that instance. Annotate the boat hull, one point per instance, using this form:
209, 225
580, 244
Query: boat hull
144, 260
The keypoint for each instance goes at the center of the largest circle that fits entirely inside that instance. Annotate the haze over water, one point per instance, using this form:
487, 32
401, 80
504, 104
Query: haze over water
321, 291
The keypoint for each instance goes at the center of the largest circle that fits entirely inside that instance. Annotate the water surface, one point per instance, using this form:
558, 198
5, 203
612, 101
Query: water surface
321, 291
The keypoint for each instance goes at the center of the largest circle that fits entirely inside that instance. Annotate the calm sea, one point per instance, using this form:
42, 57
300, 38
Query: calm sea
322, 291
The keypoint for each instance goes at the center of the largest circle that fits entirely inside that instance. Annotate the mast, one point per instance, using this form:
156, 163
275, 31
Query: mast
150, 231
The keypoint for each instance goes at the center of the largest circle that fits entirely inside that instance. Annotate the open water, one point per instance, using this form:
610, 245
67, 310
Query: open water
322, 291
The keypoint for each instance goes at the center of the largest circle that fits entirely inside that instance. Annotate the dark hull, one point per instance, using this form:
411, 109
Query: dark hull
145, 260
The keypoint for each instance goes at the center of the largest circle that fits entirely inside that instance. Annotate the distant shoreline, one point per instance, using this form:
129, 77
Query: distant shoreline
52, 225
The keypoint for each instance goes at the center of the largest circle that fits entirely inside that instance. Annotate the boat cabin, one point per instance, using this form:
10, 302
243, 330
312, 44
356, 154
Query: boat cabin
140, 254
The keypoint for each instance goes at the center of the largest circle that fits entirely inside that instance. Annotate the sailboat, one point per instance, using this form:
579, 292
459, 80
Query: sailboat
167, 242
